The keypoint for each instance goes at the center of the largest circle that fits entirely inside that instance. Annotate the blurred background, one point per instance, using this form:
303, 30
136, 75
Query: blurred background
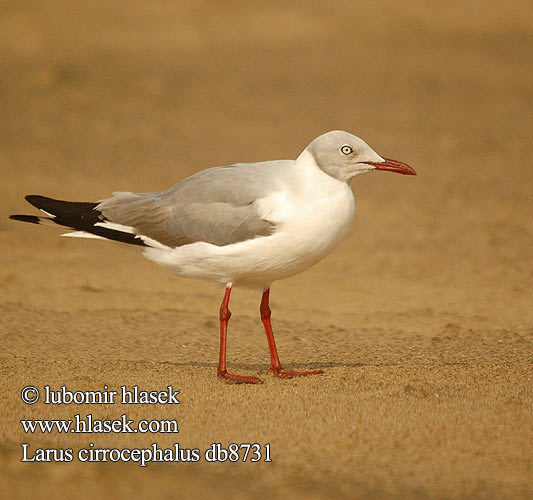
104, 96
128, 95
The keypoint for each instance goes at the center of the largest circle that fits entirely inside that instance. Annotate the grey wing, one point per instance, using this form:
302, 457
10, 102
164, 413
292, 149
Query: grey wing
217, 206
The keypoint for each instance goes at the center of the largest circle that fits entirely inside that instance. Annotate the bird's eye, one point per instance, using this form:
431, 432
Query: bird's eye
346, 150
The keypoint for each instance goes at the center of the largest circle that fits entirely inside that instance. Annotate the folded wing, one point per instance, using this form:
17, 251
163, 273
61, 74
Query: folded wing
217, 206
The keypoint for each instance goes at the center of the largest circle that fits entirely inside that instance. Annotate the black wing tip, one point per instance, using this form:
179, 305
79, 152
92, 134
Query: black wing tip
34, 199
39, 199
33, 219
75, 215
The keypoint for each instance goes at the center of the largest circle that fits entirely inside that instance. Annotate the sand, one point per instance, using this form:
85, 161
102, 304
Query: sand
422, 319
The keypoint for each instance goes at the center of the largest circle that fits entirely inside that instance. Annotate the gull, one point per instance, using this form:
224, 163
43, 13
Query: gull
246, 224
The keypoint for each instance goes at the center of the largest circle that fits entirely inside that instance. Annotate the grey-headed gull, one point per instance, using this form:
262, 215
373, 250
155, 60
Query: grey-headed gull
247, 224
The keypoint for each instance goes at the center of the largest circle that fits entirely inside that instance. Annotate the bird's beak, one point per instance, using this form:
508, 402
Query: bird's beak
392, 166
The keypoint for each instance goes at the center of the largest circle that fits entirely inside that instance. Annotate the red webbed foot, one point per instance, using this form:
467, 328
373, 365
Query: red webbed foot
231, 378
281, 373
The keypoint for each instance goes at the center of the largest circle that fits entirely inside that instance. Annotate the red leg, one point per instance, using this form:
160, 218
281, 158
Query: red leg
225, 315
275, 364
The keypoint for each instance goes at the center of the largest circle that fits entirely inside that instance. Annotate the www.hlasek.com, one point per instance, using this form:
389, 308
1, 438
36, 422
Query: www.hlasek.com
88, 424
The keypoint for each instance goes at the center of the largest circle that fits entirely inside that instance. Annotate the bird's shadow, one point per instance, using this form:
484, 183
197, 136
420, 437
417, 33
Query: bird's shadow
256, 366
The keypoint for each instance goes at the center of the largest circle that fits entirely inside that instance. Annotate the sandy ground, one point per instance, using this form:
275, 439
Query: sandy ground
422, 319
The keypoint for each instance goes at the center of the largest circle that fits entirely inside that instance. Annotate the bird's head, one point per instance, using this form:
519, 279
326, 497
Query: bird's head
343, 156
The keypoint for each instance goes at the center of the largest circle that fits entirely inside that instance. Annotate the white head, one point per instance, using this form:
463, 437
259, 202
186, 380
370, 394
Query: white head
343, 156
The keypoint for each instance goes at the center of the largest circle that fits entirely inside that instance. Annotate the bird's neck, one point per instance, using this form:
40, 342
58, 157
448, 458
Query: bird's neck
311, 177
